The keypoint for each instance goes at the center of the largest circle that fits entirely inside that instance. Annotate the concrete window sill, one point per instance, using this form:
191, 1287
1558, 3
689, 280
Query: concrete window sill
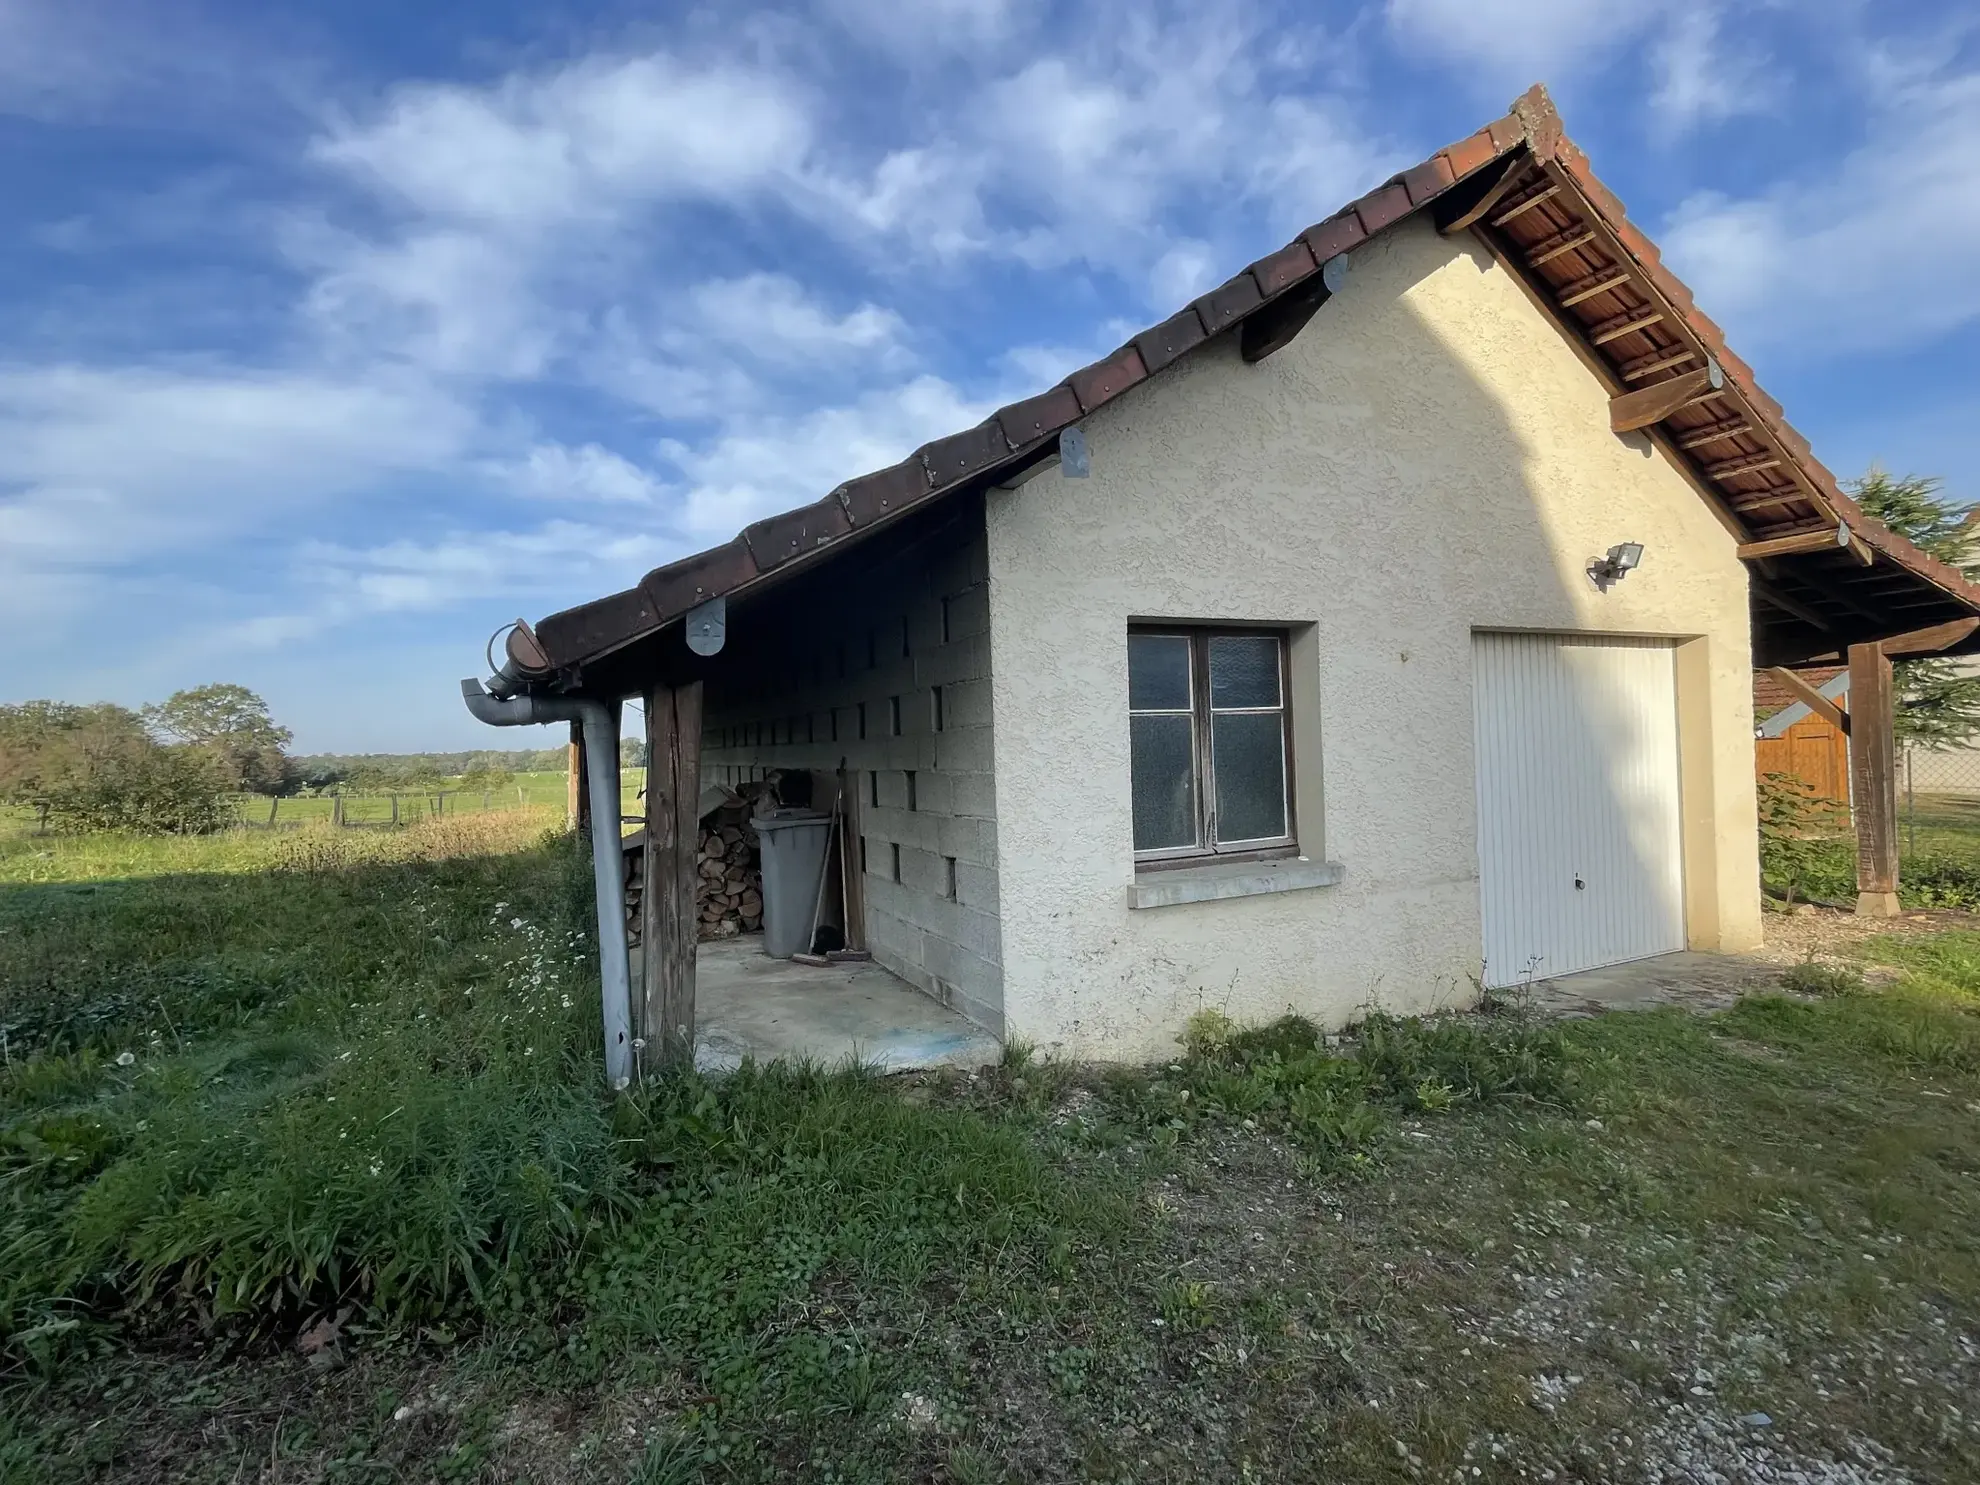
1154, 889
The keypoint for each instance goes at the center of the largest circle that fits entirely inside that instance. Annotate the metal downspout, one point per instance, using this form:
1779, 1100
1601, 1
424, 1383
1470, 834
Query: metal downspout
601, 751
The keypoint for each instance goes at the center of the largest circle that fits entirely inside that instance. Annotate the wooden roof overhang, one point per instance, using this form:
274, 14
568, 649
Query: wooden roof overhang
1823, 575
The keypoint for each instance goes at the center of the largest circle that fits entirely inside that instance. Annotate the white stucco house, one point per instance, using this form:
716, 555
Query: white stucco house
1379, 627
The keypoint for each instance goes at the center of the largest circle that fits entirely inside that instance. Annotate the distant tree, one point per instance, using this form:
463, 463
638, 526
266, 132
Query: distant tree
233, 724
1938, 700
97, 768
632, 752
486, 777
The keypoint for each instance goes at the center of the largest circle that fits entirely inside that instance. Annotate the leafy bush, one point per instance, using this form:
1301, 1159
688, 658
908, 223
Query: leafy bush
1940, 882
1799, 850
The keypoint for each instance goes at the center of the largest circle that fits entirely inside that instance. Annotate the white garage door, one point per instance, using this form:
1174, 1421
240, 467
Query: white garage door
1578, 847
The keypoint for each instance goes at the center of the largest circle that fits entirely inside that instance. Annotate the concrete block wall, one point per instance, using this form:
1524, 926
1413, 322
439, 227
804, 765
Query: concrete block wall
887, 674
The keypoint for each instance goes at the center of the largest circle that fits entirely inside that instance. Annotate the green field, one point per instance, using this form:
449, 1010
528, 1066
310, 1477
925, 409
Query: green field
524, 791
307, 1173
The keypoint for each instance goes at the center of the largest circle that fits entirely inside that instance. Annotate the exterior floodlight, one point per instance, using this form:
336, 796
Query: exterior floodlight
1623, 557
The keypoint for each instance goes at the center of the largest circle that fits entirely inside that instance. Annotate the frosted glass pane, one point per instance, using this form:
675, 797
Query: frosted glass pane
1164, 782
1248, 750
1244, 670
1158, 672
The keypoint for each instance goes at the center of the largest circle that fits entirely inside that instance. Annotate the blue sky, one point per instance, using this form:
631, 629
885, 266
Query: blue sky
337, 335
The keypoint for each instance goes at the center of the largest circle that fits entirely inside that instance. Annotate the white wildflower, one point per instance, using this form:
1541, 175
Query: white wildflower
515, 922
125, 1059
377, 1169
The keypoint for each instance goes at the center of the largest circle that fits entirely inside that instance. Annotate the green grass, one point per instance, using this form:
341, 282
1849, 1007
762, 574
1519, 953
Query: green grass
324, 1088
540, 790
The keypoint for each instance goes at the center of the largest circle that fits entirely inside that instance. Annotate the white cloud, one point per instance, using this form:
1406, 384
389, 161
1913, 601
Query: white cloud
100, 468
398, 576
760, 465
772, 317
1701, 77
1874, 253
554, 471
581, 142
1520, 41
940, 27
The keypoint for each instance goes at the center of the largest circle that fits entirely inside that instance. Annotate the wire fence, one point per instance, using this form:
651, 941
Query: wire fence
402, 807
1939, 811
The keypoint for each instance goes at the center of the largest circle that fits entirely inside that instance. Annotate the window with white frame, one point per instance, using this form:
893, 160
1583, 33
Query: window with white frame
1208, 736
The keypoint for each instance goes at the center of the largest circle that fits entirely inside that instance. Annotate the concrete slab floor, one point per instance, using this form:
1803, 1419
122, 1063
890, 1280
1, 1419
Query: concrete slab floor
749, 1005
1688, 979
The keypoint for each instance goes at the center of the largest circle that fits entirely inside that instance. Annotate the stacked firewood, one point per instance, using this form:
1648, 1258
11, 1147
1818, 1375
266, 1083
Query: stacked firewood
730, 890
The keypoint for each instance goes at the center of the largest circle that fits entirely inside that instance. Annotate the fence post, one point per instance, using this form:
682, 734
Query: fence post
337, 809
274, 804
395, 809
1910, 808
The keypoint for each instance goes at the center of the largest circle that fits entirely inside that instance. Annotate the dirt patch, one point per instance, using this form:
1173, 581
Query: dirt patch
1831, 936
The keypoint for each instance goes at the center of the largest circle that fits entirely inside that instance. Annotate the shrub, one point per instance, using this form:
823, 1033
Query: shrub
1940, 882
1798, 849
141, 786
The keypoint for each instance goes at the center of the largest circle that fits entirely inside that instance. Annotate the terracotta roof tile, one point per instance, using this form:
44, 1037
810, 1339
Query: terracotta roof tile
1164, 342
1276, 272
1335, 235
885, 492
777, 539
1228, 303
1039, 417
1431, 178
1382, 206
682, 585
962, 454
1106, 379
1471, 153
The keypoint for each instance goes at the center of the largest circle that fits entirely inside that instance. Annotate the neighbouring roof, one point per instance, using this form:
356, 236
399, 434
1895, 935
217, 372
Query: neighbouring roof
1776, 708
1524, 188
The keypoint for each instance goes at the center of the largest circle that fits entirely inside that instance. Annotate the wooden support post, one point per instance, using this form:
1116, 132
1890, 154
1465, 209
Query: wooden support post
577, 798
669, 924
1873, 777
853, 869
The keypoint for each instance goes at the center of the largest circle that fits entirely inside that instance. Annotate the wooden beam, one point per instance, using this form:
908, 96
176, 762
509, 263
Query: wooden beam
1873, 775
1725, 469
1465, 204
577, 798
1647, 405
1274, 327
670, 921
1811, 698
1791, 606
1587, 288
1549, 248
1626, 324
1931, 641
1697, 438
1828, 539
1525, 204
1761, 499
1658, 361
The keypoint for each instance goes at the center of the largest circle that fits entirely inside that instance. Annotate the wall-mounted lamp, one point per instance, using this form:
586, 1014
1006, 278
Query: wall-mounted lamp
1623, 556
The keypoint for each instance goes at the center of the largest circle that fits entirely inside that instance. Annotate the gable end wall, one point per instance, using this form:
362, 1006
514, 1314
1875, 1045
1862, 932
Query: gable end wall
1429, 457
